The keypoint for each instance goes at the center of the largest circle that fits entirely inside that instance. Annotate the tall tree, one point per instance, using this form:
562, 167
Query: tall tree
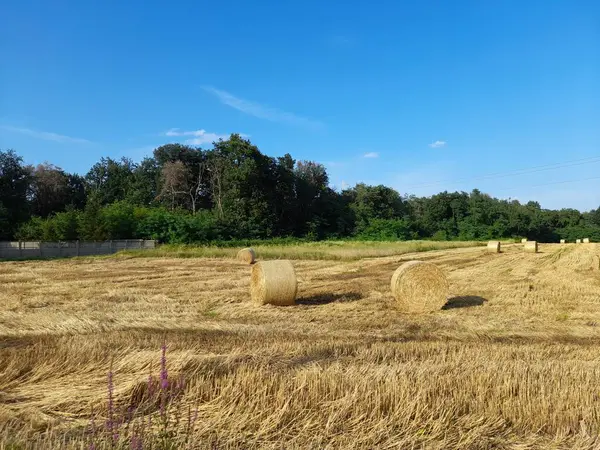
91, 222
180, 182
143, 188
109, 180
76, 191
15, 181
243, 183
49, 190
312, 190
375, 202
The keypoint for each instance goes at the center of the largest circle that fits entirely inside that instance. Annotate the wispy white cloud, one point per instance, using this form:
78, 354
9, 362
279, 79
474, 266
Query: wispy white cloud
45, 135
261, 111
345, 185
438, 144
371, 155
340, 40
196, 137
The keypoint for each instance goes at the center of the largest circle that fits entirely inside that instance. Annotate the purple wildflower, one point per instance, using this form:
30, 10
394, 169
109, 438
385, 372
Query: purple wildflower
111, 407
136, 443
129, 415
164, 376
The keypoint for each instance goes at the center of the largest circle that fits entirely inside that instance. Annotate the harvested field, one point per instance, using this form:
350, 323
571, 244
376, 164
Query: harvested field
512, 361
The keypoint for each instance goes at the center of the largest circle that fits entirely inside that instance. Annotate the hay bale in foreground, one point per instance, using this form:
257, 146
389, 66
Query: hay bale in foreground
247, 255
523, 240
531, 246
273, 282
419, 287
586, 240
562, 241
578, 241
493, 246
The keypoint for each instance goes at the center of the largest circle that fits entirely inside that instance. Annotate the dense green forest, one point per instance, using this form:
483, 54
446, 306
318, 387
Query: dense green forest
184, 194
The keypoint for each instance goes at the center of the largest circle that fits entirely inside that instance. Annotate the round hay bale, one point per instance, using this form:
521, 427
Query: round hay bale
493, 246
273, 282
531, 246
247, 255
523, 240
419, 287
578, 241
562, 241
586, 240
596, 262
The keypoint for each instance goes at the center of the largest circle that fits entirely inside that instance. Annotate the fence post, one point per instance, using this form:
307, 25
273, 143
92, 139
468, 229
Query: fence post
126, 244
77, 246
20, 250
59, 249
111, 246
40, 247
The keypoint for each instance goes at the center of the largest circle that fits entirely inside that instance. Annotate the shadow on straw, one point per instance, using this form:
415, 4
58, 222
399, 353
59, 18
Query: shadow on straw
323, 299
465, 301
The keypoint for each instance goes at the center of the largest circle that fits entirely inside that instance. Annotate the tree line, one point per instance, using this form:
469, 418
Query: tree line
184, 194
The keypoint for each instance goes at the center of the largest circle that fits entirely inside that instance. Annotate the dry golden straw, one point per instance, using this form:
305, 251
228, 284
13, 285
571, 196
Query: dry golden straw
531, 246
493, 246
578, 241
339, 371
247, 255
586, 240
523, 240
273, 282
419, 287
562, 241
596, 262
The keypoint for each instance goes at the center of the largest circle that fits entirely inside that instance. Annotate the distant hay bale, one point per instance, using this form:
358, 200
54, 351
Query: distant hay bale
523, 240
596, 262
531, 246
493, 246
578, 241
273, 282
419, 287
586, 240
247, 255
562, 241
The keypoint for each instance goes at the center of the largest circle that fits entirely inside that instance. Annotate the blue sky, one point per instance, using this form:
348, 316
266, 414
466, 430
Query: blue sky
421, 96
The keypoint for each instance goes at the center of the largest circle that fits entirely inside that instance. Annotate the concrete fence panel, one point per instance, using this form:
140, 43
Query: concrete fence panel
43, 249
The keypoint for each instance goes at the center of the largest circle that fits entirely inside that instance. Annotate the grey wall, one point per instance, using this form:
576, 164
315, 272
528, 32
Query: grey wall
32, 249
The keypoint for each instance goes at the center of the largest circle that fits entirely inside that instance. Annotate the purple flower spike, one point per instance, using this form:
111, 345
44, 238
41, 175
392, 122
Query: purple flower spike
111, 407
164, 376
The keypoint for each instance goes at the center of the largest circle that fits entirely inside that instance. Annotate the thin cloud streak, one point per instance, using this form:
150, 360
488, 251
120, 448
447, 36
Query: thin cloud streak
340, 41
261, 111
199, 136
438, 144
371, 155
45, 135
